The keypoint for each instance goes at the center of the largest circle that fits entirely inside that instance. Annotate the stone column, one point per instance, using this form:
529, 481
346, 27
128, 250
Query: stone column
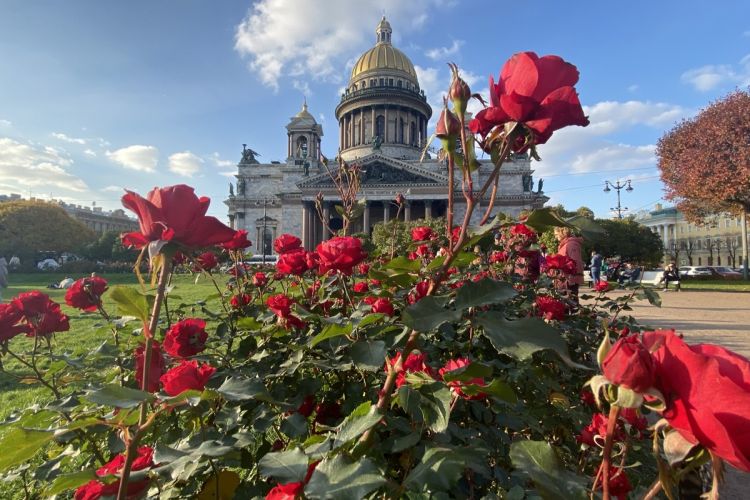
428, 209
385, 119
386, 211
366, 218
372, 123
306, 243
407, 211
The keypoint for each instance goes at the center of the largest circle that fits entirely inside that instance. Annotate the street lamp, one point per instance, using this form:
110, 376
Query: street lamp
617, 186
264, 246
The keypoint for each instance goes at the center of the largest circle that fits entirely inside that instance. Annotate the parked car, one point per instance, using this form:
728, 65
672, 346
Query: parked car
47, 265
725, 272
269, 260
688, 271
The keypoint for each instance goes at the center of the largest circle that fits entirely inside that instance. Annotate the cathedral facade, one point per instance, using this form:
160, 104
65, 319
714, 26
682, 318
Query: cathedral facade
383, 119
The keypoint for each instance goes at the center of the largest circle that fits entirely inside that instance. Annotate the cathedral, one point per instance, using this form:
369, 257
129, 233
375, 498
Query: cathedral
383, 121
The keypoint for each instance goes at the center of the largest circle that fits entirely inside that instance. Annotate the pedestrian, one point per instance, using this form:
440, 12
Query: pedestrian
3, 276
572, 247
596, 267
671, 274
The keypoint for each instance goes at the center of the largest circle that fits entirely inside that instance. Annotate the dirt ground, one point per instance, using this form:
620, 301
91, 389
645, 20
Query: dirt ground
706, 317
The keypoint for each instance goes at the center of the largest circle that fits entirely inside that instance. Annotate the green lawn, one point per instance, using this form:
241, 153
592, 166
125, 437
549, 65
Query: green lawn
87, 330
717, 285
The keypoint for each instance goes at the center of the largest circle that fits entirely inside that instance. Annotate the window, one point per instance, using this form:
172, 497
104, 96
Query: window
382, 82
398, 84
401, 139
413, 134
390, 82
364, 84
301, 147
380, 127
372, 82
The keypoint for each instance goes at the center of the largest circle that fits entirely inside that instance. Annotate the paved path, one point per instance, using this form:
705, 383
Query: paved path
706, 317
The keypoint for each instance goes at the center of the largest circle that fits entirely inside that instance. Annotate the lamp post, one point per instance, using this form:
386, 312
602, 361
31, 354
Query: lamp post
265, 202
617, 186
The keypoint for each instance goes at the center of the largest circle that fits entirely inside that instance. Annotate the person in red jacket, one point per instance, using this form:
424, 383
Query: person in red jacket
572, 247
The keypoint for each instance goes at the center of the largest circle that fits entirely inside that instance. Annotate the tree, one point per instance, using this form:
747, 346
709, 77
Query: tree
30, 227
705, 161
688, 245
585, 211
731, 245
629, 240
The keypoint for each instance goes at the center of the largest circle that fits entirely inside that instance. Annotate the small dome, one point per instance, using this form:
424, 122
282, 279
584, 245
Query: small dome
304, 113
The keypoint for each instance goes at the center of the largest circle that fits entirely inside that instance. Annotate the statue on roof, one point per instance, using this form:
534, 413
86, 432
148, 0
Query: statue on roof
231, 189
376, 142
248, 155
539, 186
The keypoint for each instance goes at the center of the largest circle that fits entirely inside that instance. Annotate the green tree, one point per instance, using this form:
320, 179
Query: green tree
397, 233
30, 227
629, 240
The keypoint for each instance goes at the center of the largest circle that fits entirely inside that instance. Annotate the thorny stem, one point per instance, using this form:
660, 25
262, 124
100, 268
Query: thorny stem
653, 490
116, 336
614, 411
151, 327
130, 453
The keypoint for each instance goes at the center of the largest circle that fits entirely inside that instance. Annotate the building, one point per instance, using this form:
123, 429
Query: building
717, 242
383, 120
93, 217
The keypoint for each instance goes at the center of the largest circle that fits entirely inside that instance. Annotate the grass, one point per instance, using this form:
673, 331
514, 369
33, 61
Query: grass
717, 285
87, 331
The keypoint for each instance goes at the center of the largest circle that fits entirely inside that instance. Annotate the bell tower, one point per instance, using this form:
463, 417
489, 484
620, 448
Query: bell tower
303, 140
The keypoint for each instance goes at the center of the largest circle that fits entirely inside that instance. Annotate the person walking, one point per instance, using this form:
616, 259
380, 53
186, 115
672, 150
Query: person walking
596, 267
572, 247
3, 276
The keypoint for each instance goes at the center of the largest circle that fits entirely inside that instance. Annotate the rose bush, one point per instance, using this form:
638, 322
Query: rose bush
361, 376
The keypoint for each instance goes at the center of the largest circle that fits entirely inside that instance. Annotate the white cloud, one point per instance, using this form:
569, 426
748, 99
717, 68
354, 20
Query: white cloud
609, 116
136, 157
67, 138
303, 86
185, 163
288, 37
25, 166
614, 157
89, 152
113, 189
222, 163
712, 76
6, 123
442, 53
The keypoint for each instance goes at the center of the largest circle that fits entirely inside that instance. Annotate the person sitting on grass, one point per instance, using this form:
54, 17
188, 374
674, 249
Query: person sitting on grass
671, 274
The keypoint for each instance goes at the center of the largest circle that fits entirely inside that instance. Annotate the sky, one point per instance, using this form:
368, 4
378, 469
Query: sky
97, 97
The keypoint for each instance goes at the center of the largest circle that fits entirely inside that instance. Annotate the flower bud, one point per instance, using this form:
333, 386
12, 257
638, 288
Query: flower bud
459, 92
629, 364
448, 126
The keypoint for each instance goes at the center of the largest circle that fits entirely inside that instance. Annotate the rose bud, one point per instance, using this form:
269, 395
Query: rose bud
448, 127
630, 365
459, 91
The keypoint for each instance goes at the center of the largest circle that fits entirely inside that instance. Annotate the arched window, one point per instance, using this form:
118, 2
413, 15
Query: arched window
380, 127
301, 147
267, 241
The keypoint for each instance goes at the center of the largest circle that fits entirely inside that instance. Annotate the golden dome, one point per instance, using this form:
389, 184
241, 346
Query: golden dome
383, 56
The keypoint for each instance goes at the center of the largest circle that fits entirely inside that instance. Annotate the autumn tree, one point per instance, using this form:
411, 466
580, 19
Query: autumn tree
705, 161
30, 227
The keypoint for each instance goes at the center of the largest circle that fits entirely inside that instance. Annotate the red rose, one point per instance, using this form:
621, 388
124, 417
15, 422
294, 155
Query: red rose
42, 315
288, 491
707, 389
280, 304
419, 292
186, 338
360, 287
550, 308
238, 242
363, 268
629, 364
560, 262
239, 301
524, 231
156, 370
341, 253
307, 406
86, 293
292, 262
634, 418
260, 279
370, 300
186, 376
382, 306
423, 251
619, 485
374, 282
206, 261
9, 317
537, 92
421, 233
176, 214
595, 433
327, 413
601, 286
93, 490
415, 363
313, 260
412, 256
287, 243
456, 385
179, 258
498, 256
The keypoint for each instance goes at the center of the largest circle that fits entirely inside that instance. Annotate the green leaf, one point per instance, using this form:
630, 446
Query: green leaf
370, 319
649, 294
484, 292
402, 263
361, 419
523, 337
368, 355
341, 478
471, 371
439, 469
284, 466
463, 259
540, 461
498, 388
69, 481
435, 404
249, 324
131, 302
330, 331
435, 263
19, 445
429, 313
242, 388
543, 219
120, 397
295, 425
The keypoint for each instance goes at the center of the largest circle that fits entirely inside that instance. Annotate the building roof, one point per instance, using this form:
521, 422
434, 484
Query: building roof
383, 56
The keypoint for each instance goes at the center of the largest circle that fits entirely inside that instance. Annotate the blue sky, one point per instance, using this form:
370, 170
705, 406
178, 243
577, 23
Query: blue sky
97, 96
